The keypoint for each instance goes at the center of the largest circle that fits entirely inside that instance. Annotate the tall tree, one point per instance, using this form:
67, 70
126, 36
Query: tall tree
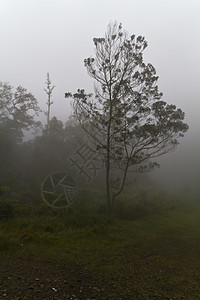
126, 118
49, 90
18, 110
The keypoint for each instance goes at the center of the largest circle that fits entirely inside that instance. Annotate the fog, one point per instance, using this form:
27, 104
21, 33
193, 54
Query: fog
56, 35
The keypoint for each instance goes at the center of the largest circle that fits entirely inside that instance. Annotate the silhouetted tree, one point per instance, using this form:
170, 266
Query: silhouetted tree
126, 118
18, 110
49, 89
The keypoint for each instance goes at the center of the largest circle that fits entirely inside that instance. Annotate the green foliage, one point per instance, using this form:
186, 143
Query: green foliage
6, 209
97, 222
144, 203
3, 190
90, 201
44, 210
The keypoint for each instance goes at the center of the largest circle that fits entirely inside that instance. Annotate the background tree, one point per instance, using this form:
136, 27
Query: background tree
49, 90
18, 110
126, 118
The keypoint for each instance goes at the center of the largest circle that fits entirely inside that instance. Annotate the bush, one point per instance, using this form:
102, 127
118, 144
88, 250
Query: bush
142, 205
44, 210
130, 210
90, 201
86, 220
6, 209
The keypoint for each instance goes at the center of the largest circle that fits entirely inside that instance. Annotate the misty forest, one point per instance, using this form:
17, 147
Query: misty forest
81, 217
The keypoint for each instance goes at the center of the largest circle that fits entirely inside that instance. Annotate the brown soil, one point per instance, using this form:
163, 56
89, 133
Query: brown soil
31, 278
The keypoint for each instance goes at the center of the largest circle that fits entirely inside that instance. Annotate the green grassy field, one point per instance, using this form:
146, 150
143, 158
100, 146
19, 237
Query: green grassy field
154, 256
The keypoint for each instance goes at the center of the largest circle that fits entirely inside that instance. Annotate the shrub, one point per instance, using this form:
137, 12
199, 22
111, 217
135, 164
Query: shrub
6, 209
87, 220
142, 205
130, 210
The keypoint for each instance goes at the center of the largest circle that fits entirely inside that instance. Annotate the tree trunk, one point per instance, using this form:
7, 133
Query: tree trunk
48, 113
108, 194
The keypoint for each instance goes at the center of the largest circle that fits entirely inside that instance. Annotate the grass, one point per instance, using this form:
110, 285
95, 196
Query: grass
154, 255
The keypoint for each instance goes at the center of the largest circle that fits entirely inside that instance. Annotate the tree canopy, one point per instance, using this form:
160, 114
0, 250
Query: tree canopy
125, 117
18, 110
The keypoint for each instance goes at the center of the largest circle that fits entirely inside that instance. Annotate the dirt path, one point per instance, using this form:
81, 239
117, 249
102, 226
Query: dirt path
29, 278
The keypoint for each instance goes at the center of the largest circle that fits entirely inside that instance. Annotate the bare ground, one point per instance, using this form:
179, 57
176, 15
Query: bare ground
32, 278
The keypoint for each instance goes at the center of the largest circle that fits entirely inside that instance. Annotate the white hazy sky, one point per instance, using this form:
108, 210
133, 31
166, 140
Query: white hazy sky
40, 36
